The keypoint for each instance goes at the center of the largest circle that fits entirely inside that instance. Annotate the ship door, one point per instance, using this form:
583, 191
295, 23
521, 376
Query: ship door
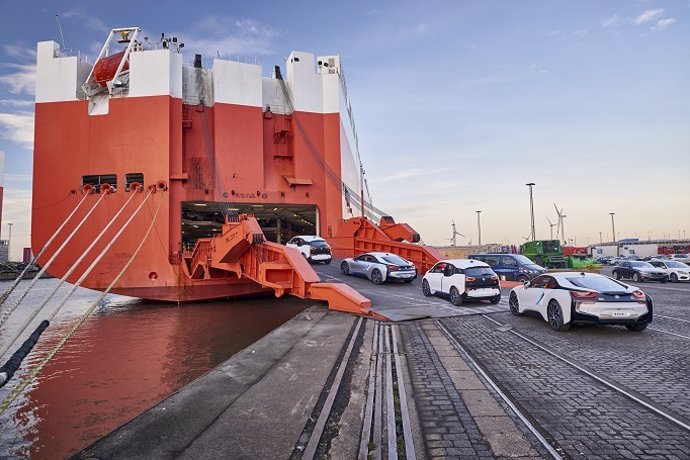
279, 222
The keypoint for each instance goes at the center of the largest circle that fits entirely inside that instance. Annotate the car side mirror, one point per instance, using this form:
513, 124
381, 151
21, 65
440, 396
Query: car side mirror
526, 284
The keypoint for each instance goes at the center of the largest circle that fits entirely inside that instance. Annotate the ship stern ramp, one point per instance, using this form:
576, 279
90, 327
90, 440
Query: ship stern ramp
242, 249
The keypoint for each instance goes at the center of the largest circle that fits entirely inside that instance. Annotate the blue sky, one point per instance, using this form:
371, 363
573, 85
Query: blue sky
458, 103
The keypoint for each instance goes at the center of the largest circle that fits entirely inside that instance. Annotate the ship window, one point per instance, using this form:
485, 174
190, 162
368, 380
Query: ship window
97, 180
133, 177
296, 59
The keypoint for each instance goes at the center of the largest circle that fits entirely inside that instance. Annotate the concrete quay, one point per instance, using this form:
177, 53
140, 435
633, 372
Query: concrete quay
265, 401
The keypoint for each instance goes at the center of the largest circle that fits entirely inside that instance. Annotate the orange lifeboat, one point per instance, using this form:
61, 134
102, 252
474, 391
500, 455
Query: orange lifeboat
105, 68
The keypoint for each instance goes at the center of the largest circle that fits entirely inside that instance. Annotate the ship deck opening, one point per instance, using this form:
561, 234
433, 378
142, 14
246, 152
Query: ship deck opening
279, 222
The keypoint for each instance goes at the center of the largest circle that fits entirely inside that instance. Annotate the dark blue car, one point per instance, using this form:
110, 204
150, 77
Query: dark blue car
511, 267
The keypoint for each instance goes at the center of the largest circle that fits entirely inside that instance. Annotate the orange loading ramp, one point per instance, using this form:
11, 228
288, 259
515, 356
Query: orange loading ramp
242, 249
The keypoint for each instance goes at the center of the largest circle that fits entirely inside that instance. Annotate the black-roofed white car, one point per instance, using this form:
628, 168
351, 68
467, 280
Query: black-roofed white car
380, 267
313, 248
569, 298
461, 280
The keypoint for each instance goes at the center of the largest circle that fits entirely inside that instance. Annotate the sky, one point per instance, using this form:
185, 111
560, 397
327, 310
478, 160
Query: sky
458, 104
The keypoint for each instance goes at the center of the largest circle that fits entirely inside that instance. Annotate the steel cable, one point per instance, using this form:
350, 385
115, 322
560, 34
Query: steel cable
26, 380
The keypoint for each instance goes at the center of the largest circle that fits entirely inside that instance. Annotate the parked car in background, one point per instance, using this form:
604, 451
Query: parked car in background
511, 267
567, 298
639, 271
685, 258
605, 260
677, 271
313, 248
461, 280
380, 267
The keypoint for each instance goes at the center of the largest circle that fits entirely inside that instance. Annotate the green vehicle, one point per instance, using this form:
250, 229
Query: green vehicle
547, 253
582, 262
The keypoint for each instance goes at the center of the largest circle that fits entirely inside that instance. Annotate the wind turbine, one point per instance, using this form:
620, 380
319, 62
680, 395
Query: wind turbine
454, 239
561, 216
551, 226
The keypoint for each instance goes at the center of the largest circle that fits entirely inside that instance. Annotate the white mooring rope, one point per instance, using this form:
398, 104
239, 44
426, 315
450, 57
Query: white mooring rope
9, 311
81, 279
26, 380
9, 290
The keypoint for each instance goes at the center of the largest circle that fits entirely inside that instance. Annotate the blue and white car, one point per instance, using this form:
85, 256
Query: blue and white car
380, 267
569, 298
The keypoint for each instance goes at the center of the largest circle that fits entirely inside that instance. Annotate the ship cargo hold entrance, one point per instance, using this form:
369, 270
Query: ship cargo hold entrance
279, 222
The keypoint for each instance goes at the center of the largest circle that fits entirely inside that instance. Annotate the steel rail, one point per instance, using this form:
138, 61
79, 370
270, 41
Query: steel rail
313, 443
656, 315
402, 392
669, 333
391, 436
602, 380
378, 414
369, 405
530, 426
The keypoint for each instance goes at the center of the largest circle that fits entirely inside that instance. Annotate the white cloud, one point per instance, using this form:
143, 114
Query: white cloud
613, 21
421, 28
648, 16
18, 127
408, 174
91, 22
16, 102
663, 23
23, 80
579, 32
20, 51
224, 35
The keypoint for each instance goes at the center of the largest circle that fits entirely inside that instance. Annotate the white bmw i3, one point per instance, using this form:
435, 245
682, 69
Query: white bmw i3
569, 298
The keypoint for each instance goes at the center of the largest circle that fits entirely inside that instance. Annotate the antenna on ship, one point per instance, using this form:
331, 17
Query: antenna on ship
57, 18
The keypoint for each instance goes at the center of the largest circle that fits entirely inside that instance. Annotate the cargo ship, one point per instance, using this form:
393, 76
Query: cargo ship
224, 163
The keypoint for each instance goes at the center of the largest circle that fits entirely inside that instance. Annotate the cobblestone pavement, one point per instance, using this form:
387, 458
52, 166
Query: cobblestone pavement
584, 417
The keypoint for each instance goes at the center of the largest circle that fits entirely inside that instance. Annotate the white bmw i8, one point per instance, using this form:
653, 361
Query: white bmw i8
567, 298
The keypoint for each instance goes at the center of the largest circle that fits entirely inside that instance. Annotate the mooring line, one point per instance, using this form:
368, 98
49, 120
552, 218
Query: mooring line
78, 283
26, 380
9, 290
9, 311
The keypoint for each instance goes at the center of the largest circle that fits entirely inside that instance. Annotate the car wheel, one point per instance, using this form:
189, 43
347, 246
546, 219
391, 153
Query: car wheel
522, 278
616, 275
426, 290
327, 261
637, 278
674, 278
345, 268
495, 299
377, 277
636, 327
455, 297
514, 304
555, 315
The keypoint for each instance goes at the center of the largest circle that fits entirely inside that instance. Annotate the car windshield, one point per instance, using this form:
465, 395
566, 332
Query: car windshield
674, 264
395, 260
597, 283
641, 264
479, 271
318, 244
523, 260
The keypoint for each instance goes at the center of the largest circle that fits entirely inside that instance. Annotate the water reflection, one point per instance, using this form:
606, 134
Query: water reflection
122, 362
